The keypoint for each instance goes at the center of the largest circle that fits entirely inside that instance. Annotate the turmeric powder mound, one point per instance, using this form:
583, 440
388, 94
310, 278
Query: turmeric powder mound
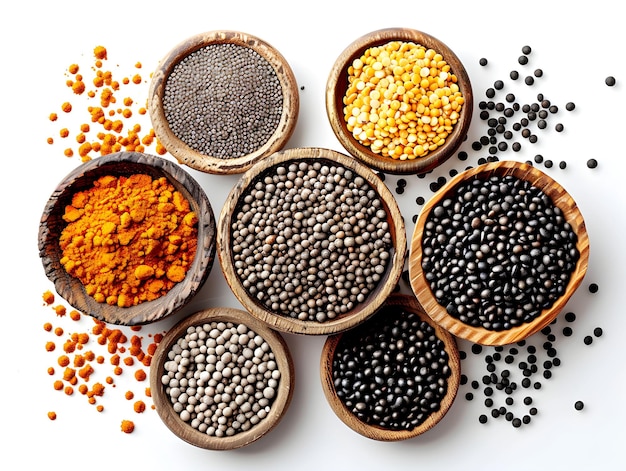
129, 239
128, 426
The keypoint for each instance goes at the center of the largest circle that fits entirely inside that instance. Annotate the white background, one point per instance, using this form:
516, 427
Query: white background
576, 44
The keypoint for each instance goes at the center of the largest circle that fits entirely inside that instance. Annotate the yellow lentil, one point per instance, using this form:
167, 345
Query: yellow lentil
402, 100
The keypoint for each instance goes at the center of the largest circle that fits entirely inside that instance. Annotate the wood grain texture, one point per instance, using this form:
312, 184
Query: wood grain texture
118, 164
410, 304
375, 298
559, 197
337, 84
282, 399
207, 163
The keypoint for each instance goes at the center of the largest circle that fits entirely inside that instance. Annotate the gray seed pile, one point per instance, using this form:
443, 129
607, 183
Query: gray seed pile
221, 378
223, 100
310, 240
497, 252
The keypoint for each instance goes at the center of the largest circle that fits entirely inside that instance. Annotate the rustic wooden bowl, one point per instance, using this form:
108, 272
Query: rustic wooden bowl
183, 429
125, 164
375, 432
480, 335
362, 310
212, 164
337, 86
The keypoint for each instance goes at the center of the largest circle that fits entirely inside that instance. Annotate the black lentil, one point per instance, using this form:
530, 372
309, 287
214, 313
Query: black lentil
310, 239
223, 100
610, 81
391, 371
483, 61
592, 163
579, 405
484, 257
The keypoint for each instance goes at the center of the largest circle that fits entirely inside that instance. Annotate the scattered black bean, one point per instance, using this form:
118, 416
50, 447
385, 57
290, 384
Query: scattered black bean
598, 331
588, 340
579, 405
592, 163
570, 106
610, 80
593, 288
523, 60
483, 61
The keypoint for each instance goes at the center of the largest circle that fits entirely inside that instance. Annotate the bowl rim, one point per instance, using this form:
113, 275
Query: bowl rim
409, 303
374, 300
207, 163
336, 87
124, 164
278, 408
480, 335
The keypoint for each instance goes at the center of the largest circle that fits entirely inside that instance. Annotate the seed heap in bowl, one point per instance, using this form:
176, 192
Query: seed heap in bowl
393, 376
223, 100
402, 100
221, 378
497, 252
310, 239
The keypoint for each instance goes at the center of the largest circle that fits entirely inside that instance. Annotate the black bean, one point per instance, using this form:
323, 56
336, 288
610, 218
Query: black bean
526, 50
482, 419
483, 61
592, 163
579, 405
610, 80
529, 80
593, 288
588, 340
597, 332
538, 72
514, 75
570, 106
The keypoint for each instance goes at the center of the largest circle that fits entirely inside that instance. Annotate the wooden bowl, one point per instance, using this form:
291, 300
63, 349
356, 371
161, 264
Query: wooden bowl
361, 310
183, 429
479, 334
180, 149
337, 86
126, 164
335, 344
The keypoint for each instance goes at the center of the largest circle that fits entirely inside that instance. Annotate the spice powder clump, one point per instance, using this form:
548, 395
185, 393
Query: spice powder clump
128, 239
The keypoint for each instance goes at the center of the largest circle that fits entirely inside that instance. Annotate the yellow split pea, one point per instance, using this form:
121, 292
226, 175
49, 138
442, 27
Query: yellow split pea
402, 100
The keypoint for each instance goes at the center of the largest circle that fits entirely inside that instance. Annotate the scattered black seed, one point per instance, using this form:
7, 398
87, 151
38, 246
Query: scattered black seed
514, 75
570, 106
570, 317
526, 419
526, 50
588, 340
579, 405
598, 331
399, 190
538, 158
559, 127
529, 80
516, 422
482, 419
593, 288
548, 163
528, 400
532, 411
523, 60
592, 163
483, 61
567, 331
469, 396
420, 200
498, 85
562, 164
610, 80
538, 73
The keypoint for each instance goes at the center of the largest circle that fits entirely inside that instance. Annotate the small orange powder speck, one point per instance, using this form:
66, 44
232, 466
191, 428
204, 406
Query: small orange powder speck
52, 415
127, 426
63, 361
75, 315
99, 407
50, 346
100, 359
64, 132
69, 373
47, 327
83, 389
58, 331
66, 107
68, 152
109, 380
73, 69
136, 79
53, 117
58, 385
139, 406
60, 310
48, 297
78, 87
50, 140
50, 370
140, 375
69, 390
129, 361
148, 392
117, 370
129, 395
138, 65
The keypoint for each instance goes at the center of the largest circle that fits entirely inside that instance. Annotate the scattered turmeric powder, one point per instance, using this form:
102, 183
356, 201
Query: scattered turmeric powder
52, 415
129, 239
139, 406
140, 375
104, 87
60, 310
50, 346
48, 297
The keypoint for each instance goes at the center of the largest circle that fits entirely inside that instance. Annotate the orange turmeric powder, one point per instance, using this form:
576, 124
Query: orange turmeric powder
129, 239
128, 426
